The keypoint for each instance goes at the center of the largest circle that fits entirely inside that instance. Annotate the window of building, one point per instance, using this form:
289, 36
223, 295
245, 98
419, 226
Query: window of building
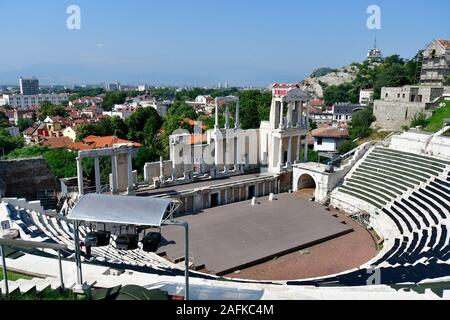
319, 141
387, 95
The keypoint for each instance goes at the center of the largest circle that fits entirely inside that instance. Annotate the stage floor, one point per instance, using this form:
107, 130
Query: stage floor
239, 235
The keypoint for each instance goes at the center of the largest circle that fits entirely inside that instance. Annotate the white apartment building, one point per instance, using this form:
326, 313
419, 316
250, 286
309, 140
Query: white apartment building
24, 102
366, 96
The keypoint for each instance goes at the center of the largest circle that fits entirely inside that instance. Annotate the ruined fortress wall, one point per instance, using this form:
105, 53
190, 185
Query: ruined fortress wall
23, 178
393, 115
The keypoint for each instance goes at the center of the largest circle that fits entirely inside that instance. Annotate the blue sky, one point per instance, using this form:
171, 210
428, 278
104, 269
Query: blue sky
201, 42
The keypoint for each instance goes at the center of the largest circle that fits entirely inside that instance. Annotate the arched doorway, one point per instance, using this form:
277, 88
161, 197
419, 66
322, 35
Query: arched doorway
306, 186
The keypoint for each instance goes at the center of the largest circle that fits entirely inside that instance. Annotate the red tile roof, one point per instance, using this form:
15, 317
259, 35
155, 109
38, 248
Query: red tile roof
444, 43
330, 132
285, 86
95, 142
57, 143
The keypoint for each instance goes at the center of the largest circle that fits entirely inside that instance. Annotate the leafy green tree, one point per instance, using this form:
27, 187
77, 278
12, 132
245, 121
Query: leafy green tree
9, 143
113, 98
347, 146
448, 81
182, 110
114, 126
361, 122
392, 76
419, 120
144, 155
4, 120
24, 123
254, 107
86, 130
144, 125
312, 124
28, 152
47, 109
341, 93
62, 162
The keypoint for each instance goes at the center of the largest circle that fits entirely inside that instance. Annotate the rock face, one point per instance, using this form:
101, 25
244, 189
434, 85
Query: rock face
315, 85
24, 178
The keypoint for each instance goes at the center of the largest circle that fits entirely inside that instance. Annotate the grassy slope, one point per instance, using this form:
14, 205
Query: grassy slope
435, 123
12, 276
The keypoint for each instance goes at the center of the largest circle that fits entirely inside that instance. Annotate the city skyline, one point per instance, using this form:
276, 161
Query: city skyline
202, 43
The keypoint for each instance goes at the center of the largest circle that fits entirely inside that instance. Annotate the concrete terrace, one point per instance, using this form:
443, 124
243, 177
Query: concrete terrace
173, 190
224, 239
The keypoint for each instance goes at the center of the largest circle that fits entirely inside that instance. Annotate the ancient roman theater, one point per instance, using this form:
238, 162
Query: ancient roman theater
260, 221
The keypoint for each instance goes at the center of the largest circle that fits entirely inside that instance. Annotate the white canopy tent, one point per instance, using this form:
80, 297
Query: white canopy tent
126, 210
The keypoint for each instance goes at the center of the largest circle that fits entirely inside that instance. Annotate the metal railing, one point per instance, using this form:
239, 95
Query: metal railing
29, 245
2, 187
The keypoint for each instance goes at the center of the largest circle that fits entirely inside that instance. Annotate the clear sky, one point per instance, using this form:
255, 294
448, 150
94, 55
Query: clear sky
202, 42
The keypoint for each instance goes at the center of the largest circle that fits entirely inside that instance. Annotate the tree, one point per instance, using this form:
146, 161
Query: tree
347, 146
144, 125
312, 124
24, 123
144, 155
392, 76
62, 162
47, 109
182, 110
254, 107
4, 120
114, 126
113, 98
28, 152
361, 122
86, 130
448, 80
341, 93
9, 143
419, 120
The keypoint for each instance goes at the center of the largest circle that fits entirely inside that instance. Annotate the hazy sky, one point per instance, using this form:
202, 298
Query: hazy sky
241, 42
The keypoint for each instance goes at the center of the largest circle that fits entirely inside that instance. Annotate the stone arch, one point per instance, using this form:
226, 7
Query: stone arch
306, 181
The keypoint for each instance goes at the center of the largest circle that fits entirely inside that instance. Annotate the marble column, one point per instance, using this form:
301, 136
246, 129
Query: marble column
114, 174
130, 189
98, 186
216, 126
161, 169
238, 124
289, 159
289, 115
280, 153
281, 115
227, 116
174, 164
297, 152
306, 149
80, 176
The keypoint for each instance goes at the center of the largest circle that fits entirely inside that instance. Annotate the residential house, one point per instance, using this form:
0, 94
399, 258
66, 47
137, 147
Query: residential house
329, 138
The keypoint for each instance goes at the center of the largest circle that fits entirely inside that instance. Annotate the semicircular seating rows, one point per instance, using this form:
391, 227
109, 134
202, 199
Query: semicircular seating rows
34, 226
411, 192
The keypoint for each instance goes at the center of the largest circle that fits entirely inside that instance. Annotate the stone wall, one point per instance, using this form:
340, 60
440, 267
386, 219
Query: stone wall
392, 115
23, 178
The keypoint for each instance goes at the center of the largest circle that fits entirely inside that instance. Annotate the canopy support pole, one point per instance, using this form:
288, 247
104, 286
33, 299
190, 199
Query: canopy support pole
186, 253
78, 254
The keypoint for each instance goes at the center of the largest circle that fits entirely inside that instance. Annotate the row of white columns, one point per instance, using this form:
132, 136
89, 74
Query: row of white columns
227, 116
114, 186
301, 120
289, 151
